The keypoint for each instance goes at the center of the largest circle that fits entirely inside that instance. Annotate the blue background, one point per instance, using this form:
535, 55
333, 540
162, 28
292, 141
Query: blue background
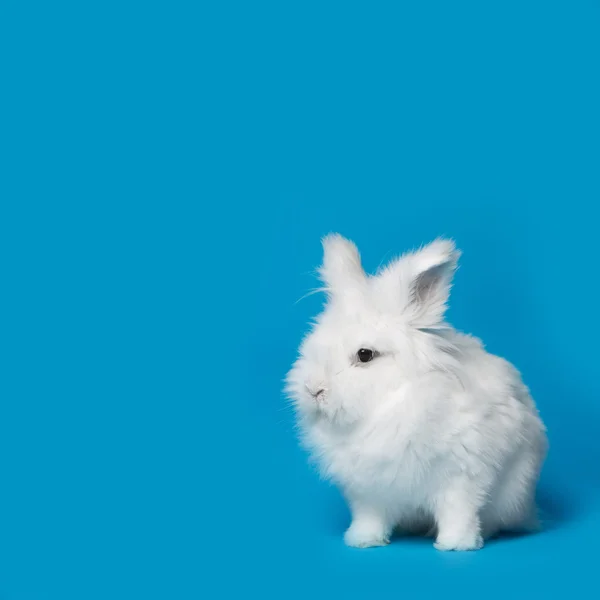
167, 171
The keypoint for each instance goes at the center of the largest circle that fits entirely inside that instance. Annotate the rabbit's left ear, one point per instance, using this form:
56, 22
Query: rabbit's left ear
341, 270
432, 270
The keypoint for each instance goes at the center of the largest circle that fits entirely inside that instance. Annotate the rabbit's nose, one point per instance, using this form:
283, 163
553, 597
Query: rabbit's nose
316, 392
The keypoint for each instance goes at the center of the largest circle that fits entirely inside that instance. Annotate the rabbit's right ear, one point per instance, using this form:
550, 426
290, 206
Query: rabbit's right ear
341, 269
432, 268
419, 283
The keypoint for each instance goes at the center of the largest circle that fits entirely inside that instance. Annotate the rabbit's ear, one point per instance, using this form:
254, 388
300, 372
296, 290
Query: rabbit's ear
432, 269
341, 269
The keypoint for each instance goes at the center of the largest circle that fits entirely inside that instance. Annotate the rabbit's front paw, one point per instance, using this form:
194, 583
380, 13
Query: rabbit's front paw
466, 541
366, 534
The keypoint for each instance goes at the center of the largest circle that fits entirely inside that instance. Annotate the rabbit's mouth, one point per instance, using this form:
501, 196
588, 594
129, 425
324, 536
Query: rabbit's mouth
317, 394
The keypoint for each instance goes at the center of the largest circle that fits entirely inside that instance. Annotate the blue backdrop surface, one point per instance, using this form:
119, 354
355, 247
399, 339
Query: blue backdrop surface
167, 171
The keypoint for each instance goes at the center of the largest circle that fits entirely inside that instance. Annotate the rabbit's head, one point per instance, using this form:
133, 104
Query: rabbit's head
375, 332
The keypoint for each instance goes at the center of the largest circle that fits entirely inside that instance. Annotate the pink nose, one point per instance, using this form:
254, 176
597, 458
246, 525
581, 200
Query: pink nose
315, 392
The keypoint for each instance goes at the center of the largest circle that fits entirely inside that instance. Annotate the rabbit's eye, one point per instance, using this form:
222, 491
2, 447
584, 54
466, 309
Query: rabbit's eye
365, 355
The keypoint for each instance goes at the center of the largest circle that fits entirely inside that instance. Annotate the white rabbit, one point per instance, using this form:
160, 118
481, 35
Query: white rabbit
420, 427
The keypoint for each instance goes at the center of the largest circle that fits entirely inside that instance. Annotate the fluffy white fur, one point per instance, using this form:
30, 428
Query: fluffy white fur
434, 435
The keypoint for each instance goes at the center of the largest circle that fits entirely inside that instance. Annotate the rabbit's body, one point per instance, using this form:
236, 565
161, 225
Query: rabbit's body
431, 433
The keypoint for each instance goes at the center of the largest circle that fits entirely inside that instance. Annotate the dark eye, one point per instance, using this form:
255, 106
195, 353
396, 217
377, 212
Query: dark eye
365, 355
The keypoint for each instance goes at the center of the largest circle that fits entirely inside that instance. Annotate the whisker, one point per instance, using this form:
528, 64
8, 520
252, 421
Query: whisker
314, 291
381, 261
